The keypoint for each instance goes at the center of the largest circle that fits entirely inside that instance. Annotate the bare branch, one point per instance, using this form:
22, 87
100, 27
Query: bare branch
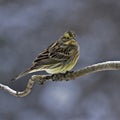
110, 65
16, 93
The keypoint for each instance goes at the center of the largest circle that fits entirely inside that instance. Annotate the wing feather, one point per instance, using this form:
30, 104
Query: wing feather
55, 53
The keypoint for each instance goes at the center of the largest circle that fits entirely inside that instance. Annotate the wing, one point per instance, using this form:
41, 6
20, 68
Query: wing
55, 53
59, 51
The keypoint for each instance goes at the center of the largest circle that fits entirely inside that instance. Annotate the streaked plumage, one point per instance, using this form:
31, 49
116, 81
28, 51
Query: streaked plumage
59, 57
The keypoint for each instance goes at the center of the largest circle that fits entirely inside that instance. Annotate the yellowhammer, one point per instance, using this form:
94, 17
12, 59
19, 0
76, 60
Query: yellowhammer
59, 57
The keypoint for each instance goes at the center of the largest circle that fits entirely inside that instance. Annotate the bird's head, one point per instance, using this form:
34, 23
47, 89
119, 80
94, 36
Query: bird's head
69, 38
69, 35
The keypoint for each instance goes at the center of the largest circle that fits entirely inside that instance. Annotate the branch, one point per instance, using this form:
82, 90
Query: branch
17, 93
110, 65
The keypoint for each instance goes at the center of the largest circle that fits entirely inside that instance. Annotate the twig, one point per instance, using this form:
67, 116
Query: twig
110, 65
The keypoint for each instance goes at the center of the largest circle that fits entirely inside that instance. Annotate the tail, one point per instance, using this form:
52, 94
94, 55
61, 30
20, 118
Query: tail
28, 71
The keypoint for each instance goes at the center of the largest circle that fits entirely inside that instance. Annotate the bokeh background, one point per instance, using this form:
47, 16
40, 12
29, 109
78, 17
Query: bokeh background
29, 26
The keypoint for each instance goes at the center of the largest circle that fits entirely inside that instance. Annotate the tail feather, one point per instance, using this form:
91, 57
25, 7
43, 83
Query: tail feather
28, 71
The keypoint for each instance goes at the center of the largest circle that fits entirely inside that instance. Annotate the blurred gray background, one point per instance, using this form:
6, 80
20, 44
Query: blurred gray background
29, 26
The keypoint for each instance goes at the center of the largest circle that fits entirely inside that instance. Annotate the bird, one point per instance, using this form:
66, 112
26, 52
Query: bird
59, 57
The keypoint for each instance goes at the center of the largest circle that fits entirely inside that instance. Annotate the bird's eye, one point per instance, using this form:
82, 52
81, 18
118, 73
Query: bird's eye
67, 37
